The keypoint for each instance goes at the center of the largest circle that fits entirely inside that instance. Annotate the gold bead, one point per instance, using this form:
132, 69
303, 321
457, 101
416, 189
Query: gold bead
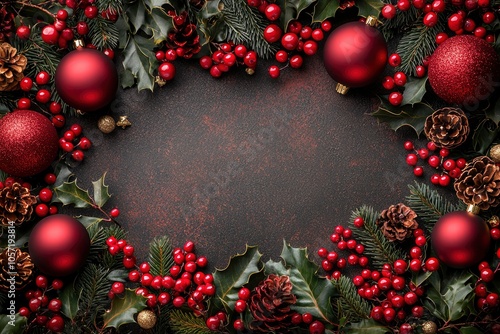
495, 153
429, 327
146, 319
106, 124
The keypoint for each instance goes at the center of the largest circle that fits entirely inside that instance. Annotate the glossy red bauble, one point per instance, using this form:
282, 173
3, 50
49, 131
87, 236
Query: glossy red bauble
86, 79
28, 143
460, 239
464, 70
355, 54
59, 245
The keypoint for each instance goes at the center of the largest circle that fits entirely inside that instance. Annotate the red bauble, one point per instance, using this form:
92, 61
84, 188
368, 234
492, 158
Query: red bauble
355, 54
59, 245
460, 239
28, 143
464, 70
86, 79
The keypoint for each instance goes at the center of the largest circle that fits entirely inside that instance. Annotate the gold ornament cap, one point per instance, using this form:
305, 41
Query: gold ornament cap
371, 21
78, 43
106, 124
474, 209
495, 153
341, 89
146, 319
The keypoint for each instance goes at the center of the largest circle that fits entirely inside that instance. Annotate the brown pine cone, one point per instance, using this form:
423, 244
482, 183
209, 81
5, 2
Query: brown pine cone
12, 66
397, 222
479, 183
184, 35
7, 25
19, 267
447, 127
16, 204
270, 305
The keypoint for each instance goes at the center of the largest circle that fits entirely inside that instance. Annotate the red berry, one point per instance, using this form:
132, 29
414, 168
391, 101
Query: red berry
487, 275
408, 145
423, 153
389, 11
388, 83
166, 71
306, 32
395, 98
358, 222
317, 35
91, 12
307, 318
394, 60
23, 32
455, 22
418, 171
316, 327
274, 71
50, 35
213, 323
78, 155
404, 5
250, 59
55, 324
42, 78
326, 25
290, 41
489, 17
240, 306
272, 33
43, 96
296, 61
420, 71
432, 264
272, 12
444, 180
42, 210
430, 19
411, 159
434, 161
310, 47
117, 288
495, 233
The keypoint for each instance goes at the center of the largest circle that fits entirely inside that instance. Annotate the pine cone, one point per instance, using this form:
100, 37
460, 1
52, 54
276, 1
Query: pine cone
397, 222
7, 25
20, 268
16, 204
447, 127
184, 35
479, 183
270, 304
12, 66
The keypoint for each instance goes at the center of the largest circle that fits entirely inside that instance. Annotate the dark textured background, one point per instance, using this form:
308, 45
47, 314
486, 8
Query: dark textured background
245, 159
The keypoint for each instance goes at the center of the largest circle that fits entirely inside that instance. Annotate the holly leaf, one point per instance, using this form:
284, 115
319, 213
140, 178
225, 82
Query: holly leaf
123, 309
12, 324
291, 10
493, 111
277, 268
101, 193
159, 23
365, 326
407, 115
139, 60
89, 222
118, 275
470, 330
229, 280
313, 292
70, 301
414, 91
63, 174
369, 7
484, 135
70, 193
136, 16
324, 9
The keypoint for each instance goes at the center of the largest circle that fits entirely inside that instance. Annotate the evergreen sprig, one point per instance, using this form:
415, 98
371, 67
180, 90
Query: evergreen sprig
381, 250
350, 304
429, 205
187, 323
402, 22
103, 33
163, 323
160, 256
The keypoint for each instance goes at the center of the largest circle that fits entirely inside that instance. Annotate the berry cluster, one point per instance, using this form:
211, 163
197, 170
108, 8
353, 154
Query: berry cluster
446, 168
73, 142
227, 56
486, 300
297, 40
43, 305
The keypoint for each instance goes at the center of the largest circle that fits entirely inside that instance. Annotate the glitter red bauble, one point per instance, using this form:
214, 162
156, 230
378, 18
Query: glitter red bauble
59, 245
86, 79
355, 54
28, 143
460, 239
464, 70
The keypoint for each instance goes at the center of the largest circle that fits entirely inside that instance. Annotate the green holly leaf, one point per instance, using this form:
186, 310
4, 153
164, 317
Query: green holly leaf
101, 193
313, 292
367, 326
159, 23
407, 115
89, 222
470, 330
369, 7
123, 309
493, 111
12, 324
484, 135
135, 15
70, 193
414, 91
140, 61
63, 174
229, 280
291, 9
70, 299
118, 275
324, 9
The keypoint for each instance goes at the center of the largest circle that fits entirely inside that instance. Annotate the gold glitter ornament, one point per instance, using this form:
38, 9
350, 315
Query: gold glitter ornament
123, 122
495, 153
429, 327
106, 124
146, 319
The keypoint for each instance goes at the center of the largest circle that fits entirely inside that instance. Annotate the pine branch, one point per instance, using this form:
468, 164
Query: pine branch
113, 5
160, 256
429, 205
41, 56
350, 303
402, 22
103, 33
187, 323
376, 244
245, 25
163, 323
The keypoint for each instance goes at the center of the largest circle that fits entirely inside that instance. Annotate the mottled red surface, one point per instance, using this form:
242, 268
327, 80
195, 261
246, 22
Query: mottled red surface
245, 159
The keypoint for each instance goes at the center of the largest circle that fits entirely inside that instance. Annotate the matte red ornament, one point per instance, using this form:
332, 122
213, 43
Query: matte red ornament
464, 70
86, 79
59, 245
355, 54
28, 143
460, 239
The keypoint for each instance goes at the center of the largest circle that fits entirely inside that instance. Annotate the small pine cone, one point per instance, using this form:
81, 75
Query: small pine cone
16, 264
397, 222
479, 183
16, 204
447, 127
12, 66
7, 24
184, 36
270, 305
